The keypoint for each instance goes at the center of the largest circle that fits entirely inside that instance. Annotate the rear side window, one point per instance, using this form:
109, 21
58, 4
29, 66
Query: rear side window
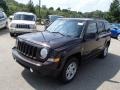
100, 26
107, 26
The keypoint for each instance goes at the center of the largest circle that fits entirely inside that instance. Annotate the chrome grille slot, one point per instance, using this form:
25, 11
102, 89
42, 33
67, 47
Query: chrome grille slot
27, 49
23, 48
25, 26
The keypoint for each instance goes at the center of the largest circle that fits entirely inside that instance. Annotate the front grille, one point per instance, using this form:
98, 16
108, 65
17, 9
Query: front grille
23, 26
27, 50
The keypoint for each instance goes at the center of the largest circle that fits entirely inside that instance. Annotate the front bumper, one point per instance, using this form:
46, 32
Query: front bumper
46, 68
17, 30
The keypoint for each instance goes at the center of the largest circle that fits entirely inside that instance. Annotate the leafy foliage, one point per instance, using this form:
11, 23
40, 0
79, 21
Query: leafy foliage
15, 6
115, 11
30, 7
4, 6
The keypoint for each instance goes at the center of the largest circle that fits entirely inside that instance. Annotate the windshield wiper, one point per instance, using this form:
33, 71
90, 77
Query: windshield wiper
59, 33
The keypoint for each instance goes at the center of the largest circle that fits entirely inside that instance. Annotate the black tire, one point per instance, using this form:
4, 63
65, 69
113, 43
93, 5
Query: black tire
12, 34
64, 77
104, 53
6, 25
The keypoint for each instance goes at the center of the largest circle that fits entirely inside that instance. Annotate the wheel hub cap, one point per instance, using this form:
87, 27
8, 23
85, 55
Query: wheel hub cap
71, 71
105, 51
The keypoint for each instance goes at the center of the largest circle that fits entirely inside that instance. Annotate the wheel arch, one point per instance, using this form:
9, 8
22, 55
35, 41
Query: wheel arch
108, 43
65, 59
76, 55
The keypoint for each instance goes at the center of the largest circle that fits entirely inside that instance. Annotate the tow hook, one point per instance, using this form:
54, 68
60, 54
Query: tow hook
31, 70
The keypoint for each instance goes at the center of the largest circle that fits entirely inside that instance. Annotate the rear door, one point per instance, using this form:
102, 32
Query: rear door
101, 34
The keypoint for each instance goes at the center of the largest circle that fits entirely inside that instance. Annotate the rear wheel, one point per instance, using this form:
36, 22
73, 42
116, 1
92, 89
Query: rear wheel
104, 53
118, 37
69, 70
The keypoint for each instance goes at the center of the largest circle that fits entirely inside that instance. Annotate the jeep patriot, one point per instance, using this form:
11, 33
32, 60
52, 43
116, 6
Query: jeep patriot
60, 48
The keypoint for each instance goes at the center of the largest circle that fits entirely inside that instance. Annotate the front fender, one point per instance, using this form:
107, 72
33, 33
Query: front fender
75, 49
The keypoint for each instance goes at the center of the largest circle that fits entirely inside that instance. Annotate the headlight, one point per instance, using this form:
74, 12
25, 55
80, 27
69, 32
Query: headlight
13, 25
43, 53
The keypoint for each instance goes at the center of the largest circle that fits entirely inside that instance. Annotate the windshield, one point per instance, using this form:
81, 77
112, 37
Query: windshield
24, 17
71, 28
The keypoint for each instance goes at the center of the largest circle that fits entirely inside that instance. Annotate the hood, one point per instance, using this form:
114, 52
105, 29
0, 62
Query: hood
52, 40
22, 22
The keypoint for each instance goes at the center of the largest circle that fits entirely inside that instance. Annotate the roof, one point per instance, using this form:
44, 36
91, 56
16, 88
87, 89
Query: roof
84, 19
27, 13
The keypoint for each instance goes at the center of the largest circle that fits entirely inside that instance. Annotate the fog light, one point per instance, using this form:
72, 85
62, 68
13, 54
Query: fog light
31, 70
54, 59
57, 59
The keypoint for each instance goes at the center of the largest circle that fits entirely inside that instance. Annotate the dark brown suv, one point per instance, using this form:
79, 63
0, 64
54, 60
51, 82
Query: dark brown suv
58, 50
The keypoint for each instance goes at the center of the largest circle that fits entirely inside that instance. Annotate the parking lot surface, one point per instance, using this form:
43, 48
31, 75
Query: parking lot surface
100, 74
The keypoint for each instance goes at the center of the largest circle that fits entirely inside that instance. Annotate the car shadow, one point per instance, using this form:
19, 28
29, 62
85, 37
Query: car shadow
90, 76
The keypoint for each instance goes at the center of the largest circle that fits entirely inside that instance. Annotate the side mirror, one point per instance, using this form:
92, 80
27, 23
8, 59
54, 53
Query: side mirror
10, 18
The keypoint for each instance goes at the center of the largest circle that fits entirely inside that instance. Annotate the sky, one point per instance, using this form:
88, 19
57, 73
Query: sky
75, 5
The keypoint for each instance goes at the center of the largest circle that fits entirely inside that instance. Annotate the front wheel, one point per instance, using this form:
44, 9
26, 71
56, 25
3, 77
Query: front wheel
118, 37
12, 34
69, 70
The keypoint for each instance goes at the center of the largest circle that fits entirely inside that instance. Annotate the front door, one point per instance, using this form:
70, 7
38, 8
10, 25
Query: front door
90, 42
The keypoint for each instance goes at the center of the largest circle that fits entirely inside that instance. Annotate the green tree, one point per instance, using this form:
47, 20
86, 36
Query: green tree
4, 6
94, 14
115, 11
51, 8
30, 7
58, 9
